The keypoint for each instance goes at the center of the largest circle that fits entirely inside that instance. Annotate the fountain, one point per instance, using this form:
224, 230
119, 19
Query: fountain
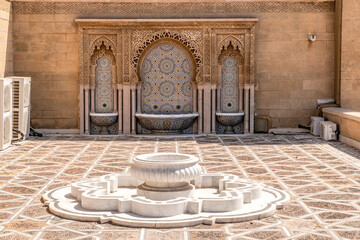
165, 190
229, 114
167, 71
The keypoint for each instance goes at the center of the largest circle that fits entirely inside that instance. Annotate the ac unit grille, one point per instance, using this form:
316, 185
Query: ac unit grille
16, 94
20, 118
16, 123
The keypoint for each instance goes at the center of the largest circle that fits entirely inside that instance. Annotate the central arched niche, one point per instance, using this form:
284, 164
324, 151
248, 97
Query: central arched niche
167, 70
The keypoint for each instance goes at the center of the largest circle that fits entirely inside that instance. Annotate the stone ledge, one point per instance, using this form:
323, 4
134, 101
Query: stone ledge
179, 1
343, 112
348, 122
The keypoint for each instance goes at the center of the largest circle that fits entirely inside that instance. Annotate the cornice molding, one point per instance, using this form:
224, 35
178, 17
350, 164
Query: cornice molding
172, 9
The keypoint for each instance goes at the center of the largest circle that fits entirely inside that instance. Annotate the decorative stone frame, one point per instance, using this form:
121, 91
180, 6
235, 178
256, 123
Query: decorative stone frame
130, 37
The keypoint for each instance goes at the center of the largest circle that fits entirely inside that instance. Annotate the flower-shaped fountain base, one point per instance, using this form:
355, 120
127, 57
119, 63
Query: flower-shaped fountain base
176, 195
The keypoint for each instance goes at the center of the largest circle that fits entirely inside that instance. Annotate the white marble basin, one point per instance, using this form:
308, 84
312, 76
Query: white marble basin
165, 170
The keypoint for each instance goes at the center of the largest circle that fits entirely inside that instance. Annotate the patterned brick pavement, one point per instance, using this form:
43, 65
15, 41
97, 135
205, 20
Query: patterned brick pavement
323, 179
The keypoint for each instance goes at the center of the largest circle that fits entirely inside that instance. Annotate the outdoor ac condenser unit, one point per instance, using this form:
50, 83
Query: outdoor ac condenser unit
315, 125
21, 106
5, 113
328, 130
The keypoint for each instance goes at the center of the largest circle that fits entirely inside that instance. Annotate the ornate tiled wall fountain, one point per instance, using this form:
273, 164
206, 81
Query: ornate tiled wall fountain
102, 115
230, 117
167, 72
165, 190
166, 76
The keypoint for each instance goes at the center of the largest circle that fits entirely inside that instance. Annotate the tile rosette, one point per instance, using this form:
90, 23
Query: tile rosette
219, 198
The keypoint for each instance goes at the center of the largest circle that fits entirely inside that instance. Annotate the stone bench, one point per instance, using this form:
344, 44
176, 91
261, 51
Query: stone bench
348, 122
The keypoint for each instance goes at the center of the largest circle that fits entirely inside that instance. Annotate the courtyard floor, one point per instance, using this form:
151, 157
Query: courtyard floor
322, 178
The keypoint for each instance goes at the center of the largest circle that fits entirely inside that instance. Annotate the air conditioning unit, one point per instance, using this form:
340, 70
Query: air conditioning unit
21, 106
315, 125
328, 130
5, 113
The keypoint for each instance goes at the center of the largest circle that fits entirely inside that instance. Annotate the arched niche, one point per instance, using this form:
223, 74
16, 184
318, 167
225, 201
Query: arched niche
231, 79
102, 79
167, 74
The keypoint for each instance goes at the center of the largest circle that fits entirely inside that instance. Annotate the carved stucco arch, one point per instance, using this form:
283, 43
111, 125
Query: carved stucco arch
195, 52
230, 51
98, 42
235, 42
100, 47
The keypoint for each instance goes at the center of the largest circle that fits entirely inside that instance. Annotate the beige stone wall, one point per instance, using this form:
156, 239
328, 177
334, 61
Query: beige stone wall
350, 57
291, 72
46, 48
6, 64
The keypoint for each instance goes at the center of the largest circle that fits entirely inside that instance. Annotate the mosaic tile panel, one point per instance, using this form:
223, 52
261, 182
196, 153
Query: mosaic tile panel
166, 73
103, 86
229, 85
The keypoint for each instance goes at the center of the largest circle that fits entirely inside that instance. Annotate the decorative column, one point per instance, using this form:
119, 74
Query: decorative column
200, 108
246, 108
195, 109
133, 109
120, 108
114, 88
218, 108
82, 108
213, 108
207, 108
92, 98
138, 106
252, 108
241, 88
126, 109
86, 106
92, 87
241, 97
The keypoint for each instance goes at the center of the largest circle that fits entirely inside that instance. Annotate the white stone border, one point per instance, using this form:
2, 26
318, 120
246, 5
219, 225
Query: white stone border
239, 200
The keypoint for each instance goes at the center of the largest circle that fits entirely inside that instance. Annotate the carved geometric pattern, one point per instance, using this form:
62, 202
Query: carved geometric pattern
166, 73
229, 85
190, 38
235, 41
198, 9
203, 41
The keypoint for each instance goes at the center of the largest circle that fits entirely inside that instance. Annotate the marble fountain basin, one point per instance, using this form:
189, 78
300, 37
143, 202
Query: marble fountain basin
104, 119
165, 190
229, 120
166, 123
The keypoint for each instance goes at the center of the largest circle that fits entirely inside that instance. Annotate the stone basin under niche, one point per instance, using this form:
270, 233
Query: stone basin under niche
166, 123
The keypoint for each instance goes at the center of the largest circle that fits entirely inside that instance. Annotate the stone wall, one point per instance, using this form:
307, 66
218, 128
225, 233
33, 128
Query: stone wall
6, 64
292, 72
46, 48
350, 57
